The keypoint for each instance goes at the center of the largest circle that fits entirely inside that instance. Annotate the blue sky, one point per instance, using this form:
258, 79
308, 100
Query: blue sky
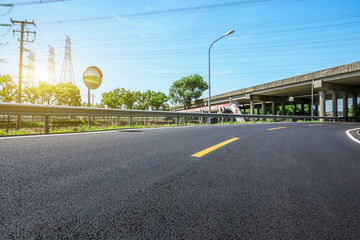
273, 39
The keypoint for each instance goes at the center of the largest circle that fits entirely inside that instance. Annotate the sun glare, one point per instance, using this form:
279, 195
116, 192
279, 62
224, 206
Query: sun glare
41, 76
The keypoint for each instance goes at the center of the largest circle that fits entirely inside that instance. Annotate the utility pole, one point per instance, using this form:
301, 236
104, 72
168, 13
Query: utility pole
22, 40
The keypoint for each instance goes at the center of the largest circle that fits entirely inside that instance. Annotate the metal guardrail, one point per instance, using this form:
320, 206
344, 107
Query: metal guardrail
49, 110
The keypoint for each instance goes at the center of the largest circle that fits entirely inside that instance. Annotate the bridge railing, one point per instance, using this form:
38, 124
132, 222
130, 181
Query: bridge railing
49, 110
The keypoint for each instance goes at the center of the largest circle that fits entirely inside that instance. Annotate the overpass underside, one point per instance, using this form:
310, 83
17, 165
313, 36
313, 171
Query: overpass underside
341, 82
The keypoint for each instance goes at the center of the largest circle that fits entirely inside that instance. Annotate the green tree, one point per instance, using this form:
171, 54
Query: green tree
31, 94
122, 98
46, 93
350, 114
144, 100
155, 100
130, 98
158, 101
7, 89
187, 89
113, 99
67, 94
99, 105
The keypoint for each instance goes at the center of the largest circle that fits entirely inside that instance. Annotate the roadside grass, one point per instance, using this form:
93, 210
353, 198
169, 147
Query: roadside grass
12, 133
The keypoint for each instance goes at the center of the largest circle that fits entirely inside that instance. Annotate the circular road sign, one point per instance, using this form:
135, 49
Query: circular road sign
92, 77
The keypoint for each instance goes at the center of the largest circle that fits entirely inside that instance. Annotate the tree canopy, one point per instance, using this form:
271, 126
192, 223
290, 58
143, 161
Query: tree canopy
7, 89
31, 94
61, 94
112, 99
46, 93
187, 89
121, 98
350, 114
67, 94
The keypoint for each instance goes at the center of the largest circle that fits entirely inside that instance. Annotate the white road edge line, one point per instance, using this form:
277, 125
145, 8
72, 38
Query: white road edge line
350, 136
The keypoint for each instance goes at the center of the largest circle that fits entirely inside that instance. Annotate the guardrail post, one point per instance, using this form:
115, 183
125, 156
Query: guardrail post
46, 124
130, 121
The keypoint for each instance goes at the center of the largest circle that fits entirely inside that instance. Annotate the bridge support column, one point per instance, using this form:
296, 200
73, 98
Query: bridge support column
251, 106
334, 104
252, 109
263, 109
316, 110
355, 108
273, 108
345, 106
322, 99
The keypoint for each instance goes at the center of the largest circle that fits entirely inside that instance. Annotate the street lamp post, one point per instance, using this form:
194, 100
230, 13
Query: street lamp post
209, 102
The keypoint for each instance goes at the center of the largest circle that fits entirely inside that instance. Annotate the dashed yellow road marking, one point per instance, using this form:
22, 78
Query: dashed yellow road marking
348, 123
270, 129
210, 149
310, 125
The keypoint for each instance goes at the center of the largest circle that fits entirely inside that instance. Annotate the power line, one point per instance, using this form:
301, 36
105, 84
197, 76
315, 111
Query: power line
30, 3
42, 36
268, 24
334, 43
7, 31
7, 12
167, 11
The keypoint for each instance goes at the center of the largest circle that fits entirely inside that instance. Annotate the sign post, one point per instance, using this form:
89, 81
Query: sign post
92, 78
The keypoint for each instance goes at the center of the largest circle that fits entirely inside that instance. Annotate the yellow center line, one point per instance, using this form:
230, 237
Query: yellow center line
315, 125
348, 123
270, 129
210, 149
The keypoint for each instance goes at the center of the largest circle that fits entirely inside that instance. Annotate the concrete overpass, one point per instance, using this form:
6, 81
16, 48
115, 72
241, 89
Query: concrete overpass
341, 82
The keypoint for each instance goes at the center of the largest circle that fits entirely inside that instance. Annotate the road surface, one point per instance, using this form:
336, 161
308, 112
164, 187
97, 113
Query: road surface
265, 181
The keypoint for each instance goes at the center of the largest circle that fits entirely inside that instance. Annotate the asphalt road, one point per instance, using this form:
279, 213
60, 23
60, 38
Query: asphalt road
295, 181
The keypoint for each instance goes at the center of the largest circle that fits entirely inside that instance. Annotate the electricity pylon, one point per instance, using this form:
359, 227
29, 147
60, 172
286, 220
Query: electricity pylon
51, 77
30, 73
67, 71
